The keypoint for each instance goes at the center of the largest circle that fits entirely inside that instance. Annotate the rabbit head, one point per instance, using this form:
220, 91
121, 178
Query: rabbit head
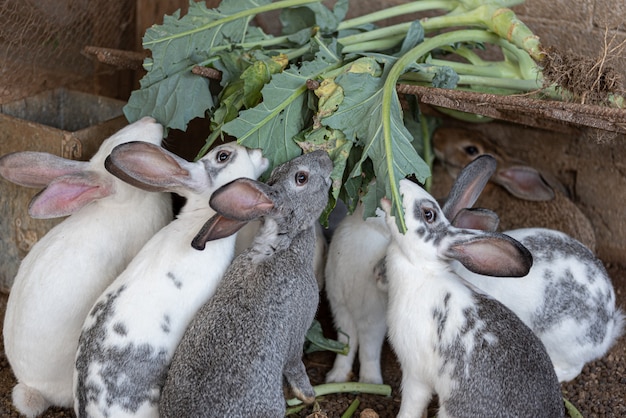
456, 148
292, 199
150, 167
70, 185
430, 236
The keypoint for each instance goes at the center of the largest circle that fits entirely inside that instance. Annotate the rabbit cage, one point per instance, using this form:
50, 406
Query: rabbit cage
47, 77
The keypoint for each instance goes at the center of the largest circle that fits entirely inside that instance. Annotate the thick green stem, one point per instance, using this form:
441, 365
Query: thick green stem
501, 69
400, 10
500, 20
428, 149
375, 45
328, 388
507, 85
388, 31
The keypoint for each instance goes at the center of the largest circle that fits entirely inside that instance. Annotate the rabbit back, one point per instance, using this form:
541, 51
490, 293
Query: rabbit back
567, 299
506, 360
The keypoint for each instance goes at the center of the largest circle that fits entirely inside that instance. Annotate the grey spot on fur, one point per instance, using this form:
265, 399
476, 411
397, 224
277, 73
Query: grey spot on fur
435, 231
587, 309
165, 325
174, 280
120, 329
213, 171
485, 376
565, 297
131, 374
380, 271
544, 247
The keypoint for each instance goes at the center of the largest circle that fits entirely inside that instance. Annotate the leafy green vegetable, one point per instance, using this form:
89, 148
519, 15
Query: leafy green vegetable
329, 83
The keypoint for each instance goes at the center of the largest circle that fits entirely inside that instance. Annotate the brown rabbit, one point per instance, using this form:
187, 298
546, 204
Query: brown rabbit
521, 195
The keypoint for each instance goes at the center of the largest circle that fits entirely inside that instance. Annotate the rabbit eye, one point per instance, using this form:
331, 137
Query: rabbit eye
471, 150
429, 215
222, 156
301, 178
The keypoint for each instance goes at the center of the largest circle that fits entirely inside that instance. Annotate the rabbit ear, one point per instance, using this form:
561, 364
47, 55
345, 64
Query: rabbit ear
242, 199
524, 182
478, 218
149, 167
69, 193
469, 184
491, 254
37, 169
216, 228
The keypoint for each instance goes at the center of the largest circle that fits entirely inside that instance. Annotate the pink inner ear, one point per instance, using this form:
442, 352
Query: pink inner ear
492, 256
66, 196
524, 182
37, 169
242, 199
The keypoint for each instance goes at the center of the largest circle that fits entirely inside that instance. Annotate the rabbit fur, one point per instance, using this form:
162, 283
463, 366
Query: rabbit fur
357, 299
452, 340
64, 273
521, 195
130, 334
246, 235
249, 336
580, 325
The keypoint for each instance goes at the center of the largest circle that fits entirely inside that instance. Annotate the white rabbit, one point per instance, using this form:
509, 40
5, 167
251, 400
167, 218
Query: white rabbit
131, 333
567, 297
357, 305
473, 352
64, 273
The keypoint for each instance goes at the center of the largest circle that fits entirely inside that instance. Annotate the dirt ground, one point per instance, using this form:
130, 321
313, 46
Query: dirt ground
600, 391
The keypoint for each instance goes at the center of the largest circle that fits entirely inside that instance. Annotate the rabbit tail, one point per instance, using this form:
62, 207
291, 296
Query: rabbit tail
29, 401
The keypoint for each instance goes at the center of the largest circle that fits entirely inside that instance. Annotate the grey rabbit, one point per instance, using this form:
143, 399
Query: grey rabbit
247, 339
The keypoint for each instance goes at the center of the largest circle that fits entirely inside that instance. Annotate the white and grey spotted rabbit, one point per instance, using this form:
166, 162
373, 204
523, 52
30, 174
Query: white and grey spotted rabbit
567, 299
64, 273
249, 336
130, 335
452, 340
357, 300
